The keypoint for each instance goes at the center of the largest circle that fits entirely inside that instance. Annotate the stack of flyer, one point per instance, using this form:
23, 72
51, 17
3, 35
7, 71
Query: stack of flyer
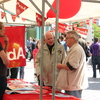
21, 87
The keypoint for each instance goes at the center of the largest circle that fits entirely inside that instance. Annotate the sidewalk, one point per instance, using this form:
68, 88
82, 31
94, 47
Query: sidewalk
91, 93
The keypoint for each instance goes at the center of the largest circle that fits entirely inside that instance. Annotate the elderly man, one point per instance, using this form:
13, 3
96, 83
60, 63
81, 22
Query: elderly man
72, 75
48, 58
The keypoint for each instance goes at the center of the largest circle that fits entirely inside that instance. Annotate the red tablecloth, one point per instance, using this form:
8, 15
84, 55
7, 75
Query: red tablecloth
34, 97
46, 96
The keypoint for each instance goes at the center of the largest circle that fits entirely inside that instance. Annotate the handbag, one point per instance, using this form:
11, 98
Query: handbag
88, 53
89, 61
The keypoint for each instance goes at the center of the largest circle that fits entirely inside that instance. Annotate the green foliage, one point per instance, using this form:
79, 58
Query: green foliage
96, 30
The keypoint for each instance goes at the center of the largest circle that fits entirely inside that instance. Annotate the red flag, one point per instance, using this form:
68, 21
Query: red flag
81, 30
94, 21
13, 17
62, 27
2, 15
88, 22
39, 19
67, 9
75, 25
23, 19
69, 27
20, 7
81, 23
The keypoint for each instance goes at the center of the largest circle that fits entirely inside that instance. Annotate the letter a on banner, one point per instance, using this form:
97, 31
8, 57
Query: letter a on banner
20, 7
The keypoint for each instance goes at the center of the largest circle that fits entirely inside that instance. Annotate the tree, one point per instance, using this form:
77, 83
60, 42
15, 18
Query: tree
96, 30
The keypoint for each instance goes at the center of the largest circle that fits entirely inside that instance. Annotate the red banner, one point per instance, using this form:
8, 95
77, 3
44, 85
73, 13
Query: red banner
81, 31
20, 7
16, 49
62, 27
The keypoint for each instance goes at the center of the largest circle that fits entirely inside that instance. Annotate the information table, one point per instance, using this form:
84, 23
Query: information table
26, 93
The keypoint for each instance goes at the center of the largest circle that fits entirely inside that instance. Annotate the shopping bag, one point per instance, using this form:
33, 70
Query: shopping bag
89, 61
61, 79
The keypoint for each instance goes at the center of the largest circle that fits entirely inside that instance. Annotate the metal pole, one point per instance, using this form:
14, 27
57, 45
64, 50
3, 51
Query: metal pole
36, 6
55, 52
42, 38
50, 6
90, 35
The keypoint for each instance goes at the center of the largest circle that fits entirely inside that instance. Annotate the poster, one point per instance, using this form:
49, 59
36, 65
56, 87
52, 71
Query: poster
16, 48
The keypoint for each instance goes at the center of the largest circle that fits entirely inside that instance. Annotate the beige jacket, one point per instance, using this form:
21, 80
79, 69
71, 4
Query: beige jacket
74, 79
48, 62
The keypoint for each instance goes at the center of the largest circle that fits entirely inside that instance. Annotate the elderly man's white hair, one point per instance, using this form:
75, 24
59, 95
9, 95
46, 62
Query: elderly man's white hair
47, 33
73, 34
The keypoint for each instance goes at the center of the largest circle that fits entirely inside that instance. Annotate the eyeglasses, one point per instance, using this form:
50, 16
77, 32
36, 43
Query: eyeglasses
68, 38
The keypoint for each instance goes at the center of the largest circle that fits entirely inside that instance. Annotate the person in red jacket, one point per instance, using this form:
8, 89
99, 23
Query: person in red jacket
35, 51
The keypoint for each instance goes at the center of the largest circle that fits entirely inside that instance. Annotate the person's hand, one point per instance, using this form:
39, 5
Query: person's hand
6, 39
59, 66
38, 76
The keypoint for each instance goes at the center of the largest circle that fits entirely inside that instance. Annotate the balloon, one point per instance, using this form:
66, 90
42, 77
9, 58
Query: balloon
67, 9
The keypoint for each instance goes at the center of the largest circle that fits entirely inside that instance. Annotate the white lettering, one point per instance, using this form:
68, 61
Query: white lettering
21, 6
20, 53
12, 55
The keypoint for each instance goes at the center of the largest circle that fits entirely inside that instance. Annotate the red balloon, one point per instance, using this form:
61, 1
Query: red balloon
67, 9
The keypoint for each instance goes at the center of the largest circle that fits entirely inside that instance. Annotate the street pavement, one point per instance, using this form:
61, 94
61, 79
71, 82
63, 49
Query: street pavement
91, 93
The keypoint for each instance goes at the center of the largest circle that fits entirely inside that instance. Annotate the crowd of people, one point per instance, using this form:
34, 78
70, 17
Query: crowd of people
71, 68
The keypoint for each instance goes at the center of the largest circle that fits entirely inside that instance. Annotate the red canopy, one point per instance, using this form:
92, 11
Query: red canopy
67, 9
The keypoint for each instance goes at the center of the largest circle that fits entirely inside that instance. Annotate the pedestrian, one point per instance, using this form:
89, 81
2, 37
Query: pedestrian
4, 62
48, 58
62, 41
35, 51
72, 76
29, 46
95, 51
83, 43
13, 72
21, 72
